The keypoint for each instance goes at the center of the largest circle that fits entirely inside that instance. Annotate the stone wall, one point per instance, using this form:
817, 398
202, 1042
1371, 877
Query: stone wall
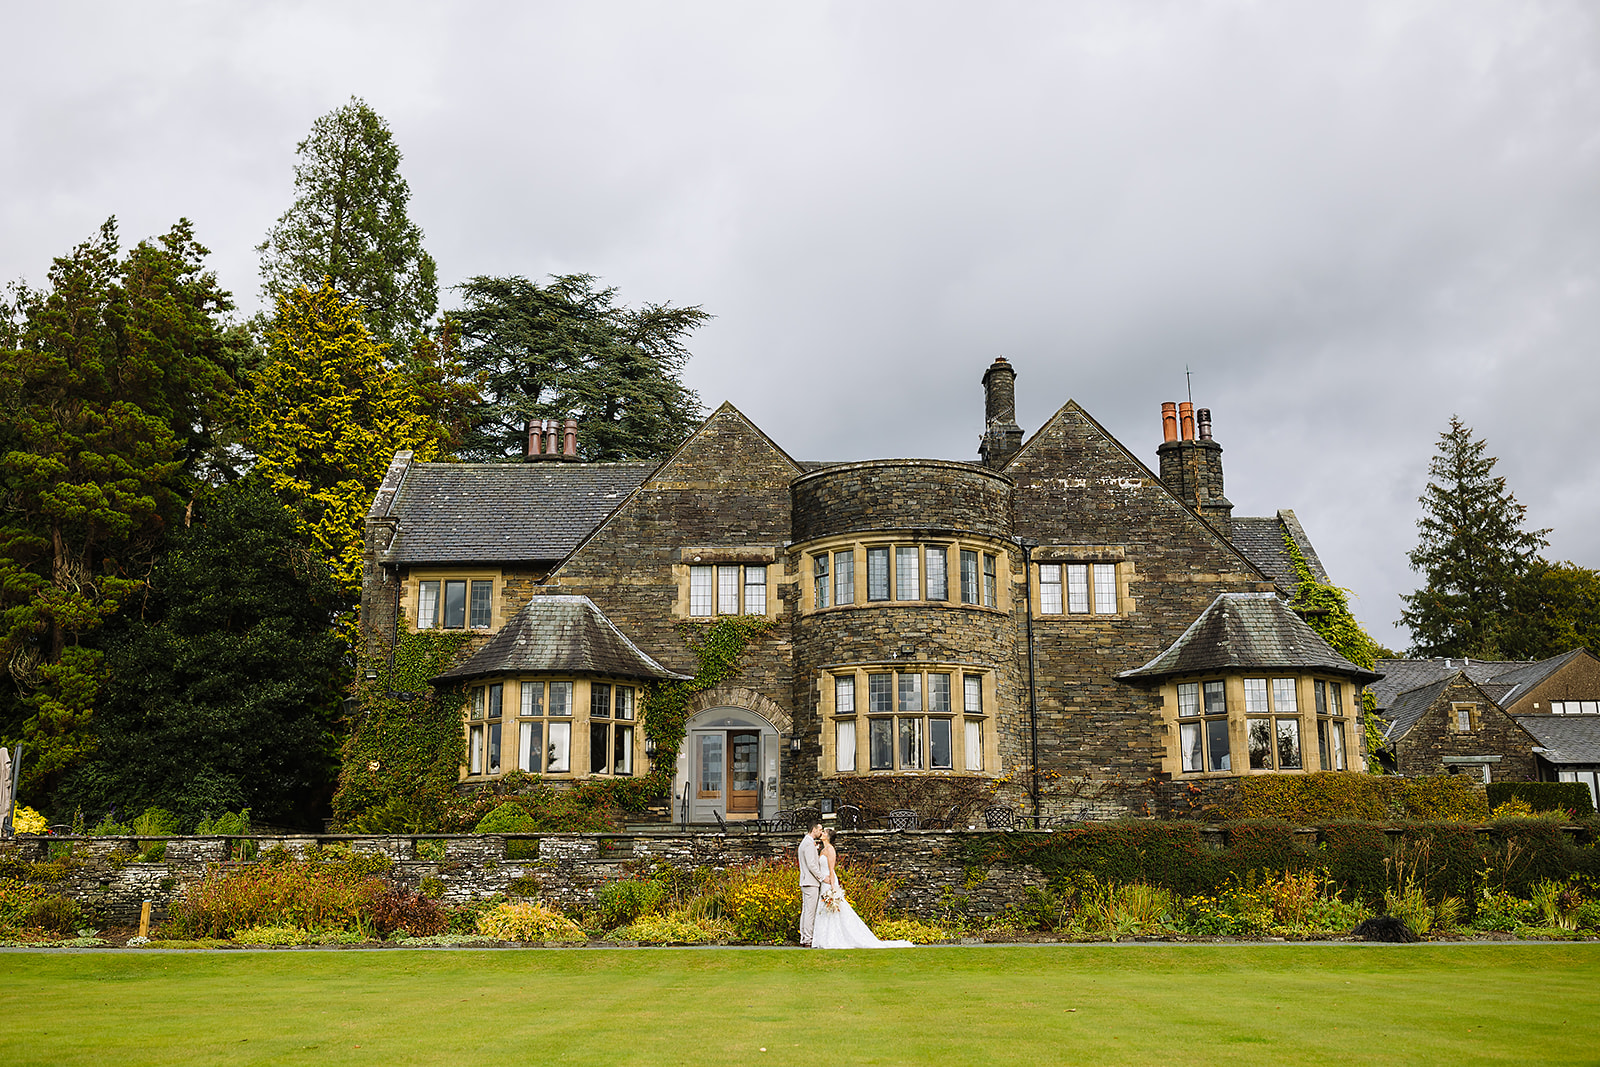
901, 494
566, 872
1434, 740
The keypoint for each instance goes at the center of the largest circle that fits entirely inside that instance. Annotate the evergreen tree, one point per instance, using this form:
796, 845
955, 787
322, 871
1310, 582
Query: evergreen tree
1555, 609
222, 695
1473, 553
349, 224
111, 381
324, 416
568, 350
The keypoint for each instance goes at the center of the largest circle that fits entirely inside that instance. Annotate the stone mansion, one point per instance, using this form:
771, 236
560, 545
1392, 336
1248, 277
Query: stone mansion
1054, 604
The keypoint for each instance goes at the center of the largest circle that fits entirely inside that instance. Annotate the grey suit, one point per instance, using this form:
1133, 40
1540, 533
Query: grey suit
812, 871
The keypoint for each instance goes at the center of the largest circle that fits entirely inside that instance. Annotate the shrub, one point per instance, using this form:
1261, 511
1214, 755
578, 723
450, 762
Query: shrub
528, 922
918, 933
27, 821
273, 936
1500, 910
324, 891
763, 902
412, 914
1120, 910
1326, 796
534, 807
1557, 903
433, 887
55, 913
675, 930
622, 902
16, 904
1560, 797
1514, 808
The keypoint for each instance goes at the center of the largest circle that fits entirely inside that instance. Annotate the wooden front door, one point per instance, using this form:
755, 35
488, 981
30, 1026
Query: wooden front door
744, 772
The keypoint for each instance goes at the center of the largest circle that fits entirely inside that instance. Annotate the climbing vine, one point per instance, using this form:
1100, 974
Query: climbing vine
1326, 609
402, 754
718, 648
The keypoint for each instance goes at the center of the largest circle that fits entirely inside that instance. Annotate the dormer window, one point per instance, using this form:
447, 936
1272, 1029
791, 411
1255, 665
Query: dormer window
455, 604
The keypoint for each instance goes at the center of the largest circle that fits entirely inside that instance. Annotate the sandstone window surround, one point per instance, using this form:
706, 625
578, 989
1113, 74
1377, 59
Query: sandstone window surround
1085, 581
1231, 724
897, 719
725, 581
452, 601
561, 728
902, 570
1463, 717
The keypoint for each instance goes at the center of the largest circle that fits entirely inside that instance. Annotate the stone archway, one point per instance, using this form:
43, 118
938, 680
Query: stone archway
731, 760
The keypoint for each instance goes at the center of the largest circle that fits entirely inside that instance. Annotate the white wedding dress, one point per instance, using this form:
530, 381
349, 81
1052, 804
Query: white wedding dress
838, 925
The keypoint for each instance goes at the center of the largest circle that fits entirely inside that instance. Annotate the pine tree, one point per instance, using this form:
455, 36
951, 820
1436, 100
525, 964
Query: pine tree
1473, 553
349, 224
568, 350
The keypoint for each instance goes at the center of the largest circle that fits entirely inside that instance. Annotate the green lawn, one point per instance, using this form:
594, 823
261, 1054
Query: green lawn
1099, 1005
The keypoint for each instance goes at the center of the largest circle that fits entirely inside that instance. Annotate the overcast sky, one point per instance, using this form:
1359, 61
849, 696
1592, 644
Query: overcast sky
1348, 221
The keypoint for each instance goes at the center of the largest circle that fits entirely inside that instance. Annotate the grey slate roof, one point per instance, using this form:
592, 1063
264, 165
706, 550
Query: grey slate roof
1520, 679
561, 634
1260, 540
1247, 631
502, 512
1565, 738
1401, 675
1409, 706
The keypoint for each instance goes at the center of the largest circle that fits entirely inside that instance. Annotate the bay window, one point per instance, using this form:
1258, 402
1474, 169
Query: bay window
910, 721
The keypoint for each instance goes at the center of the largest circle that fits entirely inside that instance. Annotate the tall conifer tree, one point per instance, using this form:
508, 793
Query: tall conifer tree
349, 223
1473, 553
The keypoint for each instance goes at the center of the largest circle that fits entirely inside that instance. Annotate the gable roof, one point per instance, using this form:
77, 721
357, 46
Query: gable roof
1520, 679
1401, 675
1247, 631
502, 512
562, 634
1564, 738
1410, 706
1262, 542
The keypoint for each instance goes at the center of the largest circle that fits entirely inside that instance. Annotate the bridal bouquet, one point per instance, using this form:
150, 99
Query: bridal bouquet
831, 896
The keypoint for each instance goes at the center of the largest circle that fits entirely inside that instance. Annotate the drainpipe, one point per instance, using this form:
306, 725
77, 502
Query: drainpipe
1028, 545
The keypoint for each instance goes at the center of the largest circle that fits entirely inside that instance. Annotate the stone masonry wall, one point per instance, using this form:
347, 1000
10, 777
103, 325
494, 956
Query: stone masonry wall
901, 494
1423, 749
567, 871
1078, 489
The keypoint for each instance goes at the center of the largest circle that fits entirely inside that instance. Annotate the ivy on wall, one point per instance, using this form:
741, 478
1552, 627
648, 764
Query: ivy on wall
401, 759
718, 647
1326, 609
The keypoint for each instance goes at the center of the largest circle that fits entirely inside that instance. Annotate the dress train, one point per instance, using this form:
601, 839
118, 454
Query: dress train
838, 926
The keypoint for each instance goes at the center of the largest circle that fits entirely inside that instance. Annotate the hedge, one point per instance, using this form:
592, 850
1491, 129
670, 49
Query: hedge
1314, 799
1545, 796
1361, 858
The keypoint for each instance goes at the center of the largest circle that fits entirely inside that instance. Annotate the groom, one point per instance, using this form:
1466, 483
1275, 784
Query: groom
812, 871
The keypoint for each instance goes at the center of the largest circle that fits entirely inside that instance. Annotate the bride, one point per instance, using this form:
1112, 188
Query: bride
838, 925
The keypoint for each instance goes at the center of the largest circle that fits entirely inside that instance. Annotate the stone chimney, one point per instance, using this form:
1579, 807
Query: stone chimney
1002, 437
1191, 463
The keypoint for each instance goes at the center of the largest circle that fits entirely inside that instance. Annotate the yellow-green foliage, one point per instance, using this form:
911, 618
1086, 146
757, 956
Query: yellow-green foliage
867, 891
1331, 796
528, 922
18, 900
1515, 808
675, 930
918, 933
324, 415
27, 821
763, 902
273, 935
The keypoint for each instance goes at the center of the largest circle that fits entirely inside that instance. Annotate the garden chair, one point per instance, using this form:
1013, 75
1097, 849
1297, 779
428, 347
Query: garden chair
849, 817
947, 821
1000, 817
902, 819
